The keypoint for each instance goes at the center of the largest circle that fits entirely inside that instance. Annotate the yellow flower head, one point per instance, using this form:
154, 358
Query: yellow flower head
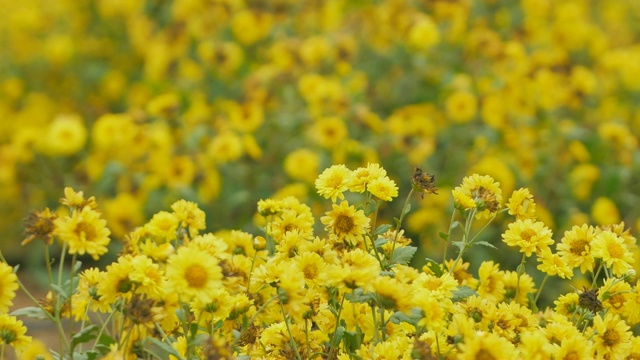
193, 273
553, 264
75, 199
333, 182
483, 190
163, 226
531, 236
189, 216
461, 106
8, 286
383, 188
356, 269
521, 204
302, 164
486, 345
66, 135
346, 224
12, 333
329, 132
612, 250
362, 176
491, 284
84, 232
612, 337
575, 247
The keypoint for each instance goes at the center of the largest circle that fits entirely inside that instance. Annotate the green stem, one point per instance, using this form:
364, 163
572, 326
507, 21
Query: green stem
74, 258
291, 339
335, 330
102, 329
465, 237
48, 266
453, 216
253, 261
402, 214
519, 273
58, 304
595, 277
544, 281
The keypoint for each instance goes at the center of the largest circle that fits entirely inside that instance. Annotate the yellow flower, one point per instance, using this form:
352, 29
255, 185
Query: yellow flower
40, 225
116, 283
461, 106
84, 232
87, 294
612, 250
522, 286
612, 338
483, 190
574, 347
328, 132
123, 213
333, 182
189, 216
575, 247
566, 304
302, 164
163, 225
75, 199
38, 350
491, 284
604, 211
346, 224
554, 264
12, 333
313, 267
521, 204
193, 273
356, 269
486, 346
362, 176
383, 188
530, 236
217, 308
8, 286
615, 295
392, 294
225, 147
66, 135
424, 33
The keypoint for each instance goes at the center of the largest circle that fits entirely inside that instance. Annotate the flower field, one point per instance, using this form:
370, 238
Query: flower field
326, 179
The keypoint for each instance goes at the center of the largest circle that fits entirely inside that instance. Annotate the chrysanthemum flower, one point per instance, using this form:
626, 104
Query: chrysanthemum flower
553, 264
362, 176
574, 347
356, 269
193, 273
615, 295
75, 199
163, 226
483, 190
333, 182
491, 285
522, 286
87, 294
189, 216
486, 346
530, 236
346, 224
611, 249
84, 232
117, 284
12, 333
521, 204
393, 294
383, 188
312, 267
575, 247
566, 304
612, 337
8, 286
215, 309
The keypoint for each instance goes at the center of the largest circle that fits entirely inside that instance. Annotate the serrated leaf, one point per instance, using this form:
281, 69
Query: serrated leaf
412, 318
380, 241
164, 347
435, 267
443, 236
382, 229
403, 255
85, 335
484, 243
31, 312
463, 292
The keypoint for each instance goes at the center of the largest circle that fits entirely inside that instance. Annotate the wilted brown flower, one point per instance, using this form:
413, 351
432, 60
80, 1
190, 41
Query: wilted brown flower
39, 225
423, 182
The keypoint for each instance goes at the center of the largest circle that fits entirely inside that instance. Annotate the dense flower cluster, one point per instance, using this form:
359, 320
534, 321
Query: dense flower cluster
145, 102
339, 288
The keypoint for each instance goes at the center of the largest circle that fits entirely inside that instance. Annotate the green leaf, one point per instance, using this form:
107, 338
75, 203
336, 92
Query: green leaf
403, 255
359, 296
77, 266
397, 222
337, 337
434, 266
353, 340
463, 292
31, 312
484, 243
458, 244
455, 224
61, 290
444, 236
411, 318
164, 347
407, 209
85, 335
532, 303
380, 241
382, 229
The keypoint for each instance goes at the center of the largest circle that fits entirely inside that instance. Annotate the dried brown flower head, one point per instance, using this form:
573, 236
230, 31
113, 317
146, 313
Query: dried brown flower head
589, 300
423, 182
39, 225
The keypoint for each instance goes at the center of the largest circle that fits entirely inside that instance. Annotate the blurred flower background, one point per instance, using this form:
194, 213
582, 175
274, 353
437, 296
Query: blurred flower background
225, 102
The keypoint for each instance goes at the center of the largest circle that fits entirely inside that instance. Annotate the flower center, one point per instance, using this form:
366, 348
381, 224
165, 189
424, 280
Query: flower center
344, 224
616, 251
610, 337
578, 247
196, 276
527, 234
85, 230
571, 356
310, 271
483, 354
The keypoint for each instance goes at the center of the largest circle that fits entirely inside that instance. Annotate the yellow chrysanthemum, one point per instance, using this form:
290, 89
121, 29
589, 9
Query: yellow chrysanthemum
611, 249
491, 284
189, 216
575, 247
12, 333
333, 182
612, 337
553, 264
529, 235
193, 273
346, 224
383, 188
87, 295
8, 286
84, 232
483, 190
487, 346
362, 176
521, 204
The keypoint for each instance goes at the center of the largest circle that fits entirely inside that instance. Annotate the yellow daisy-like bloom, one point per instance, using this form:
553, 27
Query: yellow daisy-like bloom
346, 224
87, 294
193, 273
521, 204
491, 284
362, 176
116, 283
216, 309
356, 269
328, 132
566, 304
8, 287
333, 182
392, 294
312, 267
462, 201
486, 346
189, 216
575, 247
37, 350
440, 287
296, 217
522, 286
302, 164
75, 199
615, 295
484, 191
612, 338
573, 347
553, 264
163, 225
12, 333
530, 236
383, 188
632, 310
84, 232
147, 276
611, 249
461, 106
66, 135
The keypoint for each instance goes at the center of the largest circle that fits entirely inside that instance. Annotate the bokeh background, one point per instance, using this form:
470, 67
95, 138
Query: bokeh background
143, 102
